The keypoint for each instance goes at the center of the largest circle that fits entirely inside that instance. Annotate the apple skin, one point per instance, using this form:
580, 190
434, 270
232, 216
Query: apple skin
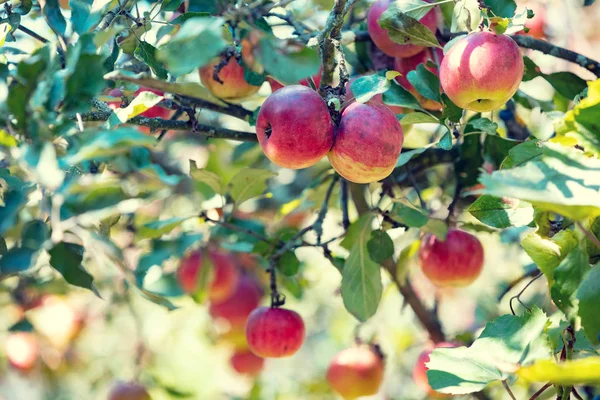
356, 372
234, 86
247, 363
225, 278
22, 350
368, 143
294, 127
128, 391
239, 305
420, 371
405, 65
457, 261
274, 332
380, 36
482, 71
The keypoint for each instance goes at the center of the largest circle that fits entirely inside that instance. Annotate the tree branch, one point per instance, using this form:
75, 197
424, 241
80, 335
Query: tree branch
230, 109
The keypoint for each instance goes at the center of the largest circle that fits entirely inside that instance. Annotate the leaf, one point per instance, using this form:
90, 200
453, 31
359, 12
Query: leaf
16, 260
184, 17
588, 295
502, 8
288, 263
409, 215
380, 246
66, 258
365, 87
287, 63
584, 371
156, 229
562, 180
82, 17
418, 118
426, 82
567, 277
413, 8
583, 118
170, 5
436, 227
470, 160
566, 83
249, 183
396, 95
451, 111
465, 16
445, 142
141, 103
84, 83
522, 153
41, 159
197, 42
206, 177
406, 156
54, 17
34, 234
403, 29
146, 53
505, 344
361, 276
7, 140
547, 253
484, 125
501, 212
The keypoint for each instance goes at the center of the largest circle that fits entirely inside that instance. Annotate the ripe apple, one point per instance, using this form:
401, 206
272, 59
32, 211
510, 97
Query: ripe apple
247, 363
456, 261
276, 85
381, 38
368, 142
294, 127
420, 371
482, 71
225, 277
240, 304
128, 391
537, 23
22, 350
356, 372
274, 332
405, 65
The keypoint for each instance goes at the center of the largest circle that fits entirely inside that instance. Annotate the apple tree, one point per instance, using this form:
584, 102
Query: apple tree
221, 155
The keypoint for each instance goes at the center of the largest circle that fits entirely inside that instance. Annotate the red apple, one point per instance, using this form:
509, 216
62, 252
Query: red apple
405, 65
128, 391
247, 363
367, 144
356, 372
294, 127
236, 308
381, 38
420, 371
537, 23
274, 332
22, 350
456, 261
482, 71
276, 85
225, 277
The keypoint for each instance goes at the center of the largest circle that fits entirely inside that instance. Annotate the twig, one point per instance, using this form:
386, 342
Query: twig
510, 393
589, 234
234, 227
515, 282
539, 392
32, 34
344, 204
230, 109
577, 395
318, 224
518, 296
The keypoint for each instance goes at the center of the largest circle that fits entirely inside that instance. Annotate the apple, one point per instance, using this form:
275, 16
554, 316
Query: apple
274, 332
276, 85
482, 71
420, 371
356, 372
456, 261
294, 127
128, 391
22, 350
368, 142
537, 23
247, 363
381, 38
225, 277
239, 305
405, 65
233, 86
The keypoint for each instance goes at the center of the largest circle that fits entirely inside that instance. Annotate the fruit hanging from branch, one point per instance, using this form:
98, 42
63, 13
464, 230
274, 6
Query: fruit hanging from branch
357, 371
274, 332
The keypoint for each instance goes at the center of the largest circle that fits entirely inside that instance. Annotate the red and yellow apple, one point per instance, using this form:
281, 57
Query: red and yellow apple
482, 71
420, 371
356, 372
225, 273
381, 38
247, 363
405, 65
128, 391
22, 350
274, 332
235, 309
367, 144
294, 127
456, 261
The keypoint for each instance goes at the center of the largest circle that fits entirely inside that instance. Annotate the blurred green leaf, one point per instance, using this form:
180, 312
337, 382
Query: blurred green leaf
82, 17
567, 277
406, 156
546, 252
417, 118
144, 101
156, 229
17, 259
588, 295
566, 83
501, 212
249, 183
54, 17
66, 258
502, 8
484, 125
34, 234
170, 5
380, 246
409, 215
147, 53
584, 371
288, 264
288, 63
209, 178
109, 143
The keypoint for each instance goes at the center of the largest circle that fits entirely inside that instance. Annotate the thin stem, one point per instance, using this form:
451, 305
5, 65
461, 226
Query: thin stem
589, 234
515, 282
539, 392
510, 393
33, 34
235, 228
344, 203
318, 225
518, 296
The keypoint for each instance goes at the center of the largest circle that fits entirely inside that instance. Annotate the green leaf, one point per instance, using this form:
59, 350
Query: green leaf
288, 64
567, 277
16, 260
417, 118
170, 5
146, 53
380, 246
413, 8
197, 42
505, 344
41, 159
404, 29
54, 17
502, 8
3, 247
426, 82
451, 111
470, 158
523, 153
206, 177
396, 95
34, 234
445, 142
249, 183
562, 180
361, 276
465, 16
409, 215
84, 83
184, 17
82, 17
365, 87
484, 125
436, 227
288, 263
547, 253
142, 102
66, 258
156, 229
406, 156
588, 295
566, 83
501, 212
